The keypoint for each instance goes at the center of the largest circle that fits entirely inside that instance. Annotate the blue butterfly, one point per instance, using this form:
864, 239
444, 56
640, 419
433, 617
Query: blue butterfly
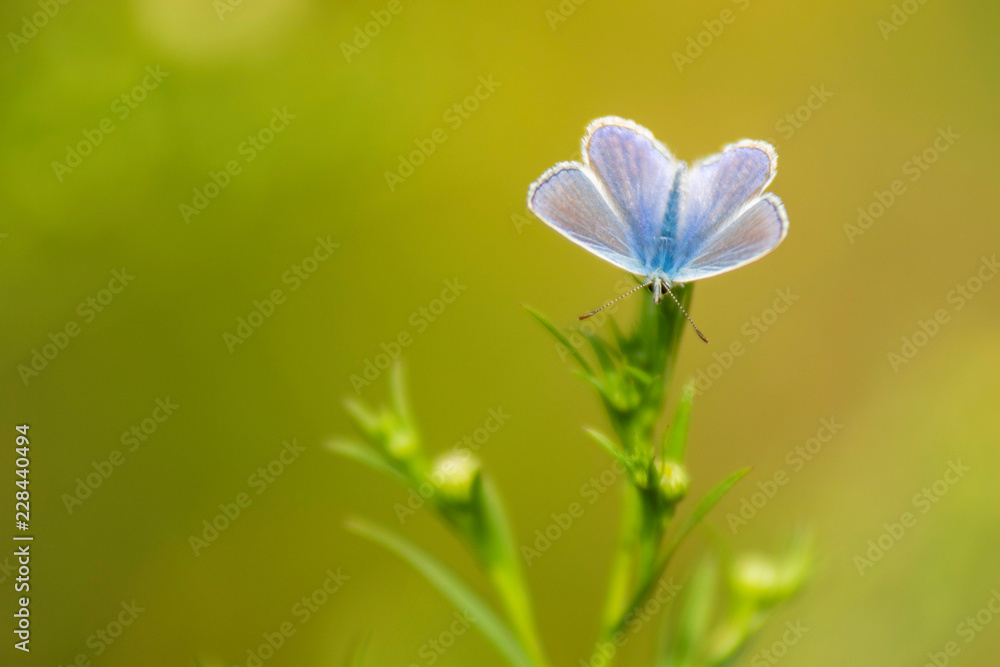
632, 203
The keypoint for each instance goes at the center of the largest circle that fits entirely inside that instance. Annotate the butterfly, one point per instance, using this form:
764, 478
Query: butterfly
633, 204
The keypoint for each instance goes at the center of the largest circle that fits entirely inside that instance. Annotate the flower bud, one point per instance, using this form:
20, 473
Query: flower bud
456, 475
673, 481
755, 576
401, 443
640, 476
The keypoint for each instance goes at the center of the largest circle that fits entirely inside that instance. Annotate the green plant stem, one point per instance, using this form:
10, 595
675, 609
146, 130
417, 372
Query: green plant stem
650, 536
510, 588
502, 564
620, 580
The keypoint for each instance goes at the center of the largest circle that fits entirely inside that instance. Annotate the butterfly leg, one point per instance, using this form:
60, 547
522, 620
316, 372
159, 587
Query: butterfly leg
657, 290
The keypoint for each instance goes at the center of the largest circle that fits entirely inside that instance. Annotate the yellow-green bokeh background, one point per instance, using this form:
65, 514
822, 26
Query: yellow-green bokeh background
324, 175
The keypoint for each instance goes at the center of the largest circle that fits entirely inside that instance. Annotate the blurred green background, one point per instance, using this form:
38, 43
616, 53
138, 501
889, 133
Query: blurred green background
460, 216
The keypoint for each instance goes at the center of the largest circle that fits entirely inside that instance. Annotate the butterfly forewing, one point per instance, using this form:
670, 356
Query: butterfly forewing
568, 199
638, 172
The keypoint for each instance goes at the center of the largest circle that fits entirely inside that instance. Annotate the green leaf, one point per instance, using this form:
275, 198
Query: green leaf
675, 542
693, 617
679, 429
703, 508
640, 375
606, 442
602, 390
449, 584
361, 453
560, 336
605, 355
504, 567
617, 333
356, 653
366, 420
397, 387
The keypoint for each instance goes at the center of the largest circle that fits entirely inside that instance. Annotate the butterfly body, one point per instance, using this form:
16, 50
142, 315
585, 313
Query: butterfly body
633, 204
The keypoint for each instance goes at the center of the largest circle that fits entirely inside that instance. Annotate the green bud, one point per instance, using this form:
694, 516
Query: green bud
673, 480
768, 581
401, 443
755, 576
640, 477
456, 475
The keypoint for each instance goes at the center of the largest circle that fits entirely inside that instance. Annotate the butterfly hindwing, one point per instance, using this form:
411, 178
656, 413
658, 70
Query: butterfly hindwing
756, 231
715, 192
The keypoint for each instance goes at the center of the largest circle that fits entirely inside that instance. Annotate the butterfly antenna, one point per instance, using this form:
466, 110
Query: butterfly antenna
614, 301
696, 330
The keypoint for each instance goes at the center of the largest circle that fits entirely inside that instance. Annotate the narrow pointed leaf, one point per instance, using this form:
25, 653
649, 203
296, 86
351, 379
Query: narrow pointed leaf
451, 586
694, 616
356, 653
366, 420
640, 375
397, 385
679, 429
703, 508
605, 442
361, 453
617, 333
560, 336
605, 355
504, 566
596, 384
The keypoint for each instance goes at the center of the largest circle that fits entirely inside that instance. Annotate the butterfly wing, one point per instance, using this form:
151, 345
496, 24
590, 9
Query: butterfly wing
568, 199
615, 203
756, 231
725, 222
638, 172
